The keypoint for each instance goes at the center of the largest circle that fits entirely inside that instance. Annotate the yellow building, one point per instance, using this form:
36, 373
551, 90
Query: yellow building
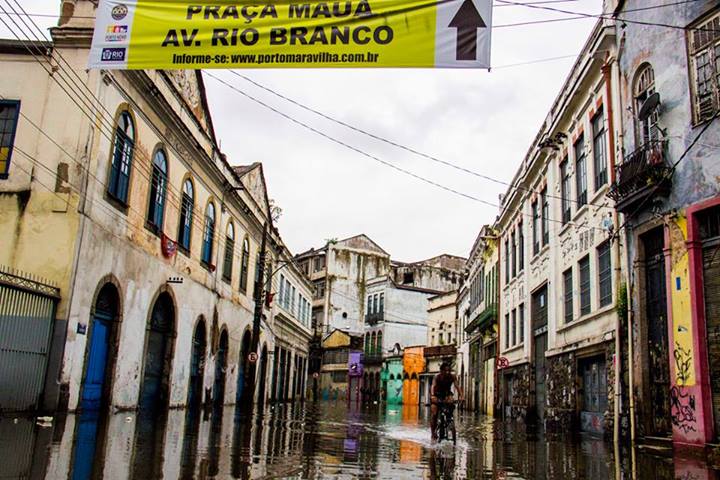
116, 192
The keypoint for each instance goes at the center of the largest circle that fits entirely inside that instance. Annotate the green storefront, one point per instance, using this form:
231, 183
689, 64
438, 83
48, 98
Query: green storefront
392, 380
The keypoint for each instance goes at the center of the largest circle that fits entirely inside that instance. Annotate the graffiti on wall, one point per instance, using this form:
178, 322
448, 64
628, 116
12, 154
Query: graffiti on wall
682, 402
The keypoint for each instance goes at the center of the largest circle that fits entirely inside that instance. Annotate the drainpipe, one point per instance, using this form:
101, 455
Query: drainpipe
607, 78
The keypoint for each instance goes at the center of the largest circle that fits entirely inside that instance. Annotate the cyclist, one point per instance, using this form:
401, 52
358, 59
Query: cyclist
441, 392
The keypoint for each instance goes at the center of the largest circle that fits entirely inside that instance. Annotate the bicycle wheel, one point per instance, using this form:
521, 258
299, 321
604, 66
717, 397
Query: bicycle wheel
442, 427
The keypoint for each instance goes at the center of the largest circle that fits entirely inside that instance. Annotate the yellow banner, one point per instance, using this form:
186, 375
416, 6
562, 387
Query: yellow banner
161, 34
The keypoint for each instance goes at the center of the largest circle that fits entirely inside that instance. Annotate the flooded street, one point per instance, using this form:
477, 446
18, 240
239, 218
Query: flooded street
323, 440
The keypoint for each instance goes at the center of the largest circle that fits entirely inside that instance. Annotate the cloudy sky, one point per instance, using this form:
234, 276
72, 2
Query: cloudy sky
483, 121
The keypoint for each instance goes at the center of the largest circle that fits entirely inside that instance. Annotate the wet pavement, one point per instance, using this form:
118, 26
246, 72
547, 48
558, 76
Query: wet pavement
324, 440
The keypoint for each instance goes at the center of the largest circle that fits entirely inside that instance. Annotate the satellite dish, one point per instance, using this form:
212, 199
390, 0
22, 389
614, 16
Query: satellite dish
649, 106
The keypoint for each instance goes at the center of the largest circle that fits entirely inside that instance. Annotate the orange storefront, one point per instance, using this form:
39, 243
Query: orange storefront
413, 366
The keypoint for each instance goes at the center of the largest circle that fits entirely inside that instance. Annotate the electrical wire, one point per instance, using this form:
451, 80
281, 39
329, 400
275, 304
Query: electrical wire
668, 175
614, 18
107, 125
111, 211
400, 145
371, 156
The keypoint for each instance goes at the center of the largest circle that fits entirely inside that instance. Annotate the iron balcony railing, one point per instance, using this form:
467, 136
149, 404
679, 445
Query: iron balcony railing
487, 316
375, 317
440, 351
372, 358
643, 172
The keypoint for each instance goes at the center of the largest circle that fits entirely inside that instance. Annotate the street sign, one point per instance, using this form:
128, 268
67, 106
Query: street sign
316, 375
252, 357
502, 363
172, 34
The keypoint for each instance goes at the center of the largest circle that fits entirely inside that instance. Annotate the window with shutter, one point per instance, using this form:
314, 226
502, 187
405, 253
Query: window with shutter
704, 49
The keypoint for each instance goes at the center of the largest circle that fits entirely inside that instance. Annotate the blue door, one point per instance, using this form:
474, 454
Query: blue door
85, 445
97, 362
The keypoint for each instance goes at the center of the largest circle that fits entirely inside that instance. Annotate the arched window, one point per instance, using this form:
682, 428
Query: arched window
158, 183
122, 158
644, 87
186, 215
379, 343
373, 343
244, 265
208, 234
229, 252
367, 343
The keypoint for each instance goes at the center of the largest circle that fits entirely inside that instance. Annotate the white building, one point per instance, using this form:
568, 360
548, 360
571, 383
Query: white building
559, 267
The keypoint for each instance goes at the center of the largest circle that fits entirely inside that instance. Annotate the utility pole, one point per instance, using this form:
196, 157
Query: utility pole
248, 394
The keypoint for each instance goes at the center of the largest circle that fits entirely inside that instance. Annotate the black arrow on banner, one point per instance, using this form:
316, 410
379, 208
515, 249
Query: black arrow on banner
467, 20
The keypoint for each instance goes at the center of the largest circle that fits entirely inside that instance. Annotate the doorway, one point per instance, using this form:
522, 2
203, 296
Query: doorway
197, 366
539, 320
710, 236
155, 387
220, 369
656, 315
103, 330
242, 365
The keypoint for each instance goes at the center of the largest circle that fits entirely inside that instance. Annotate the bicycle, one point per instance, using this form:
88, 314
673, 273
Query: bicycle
446, 421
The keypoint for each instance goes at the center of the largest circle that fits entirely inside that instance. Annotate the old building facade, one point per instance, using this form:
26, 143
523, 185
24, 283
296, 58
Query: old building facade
360, 291
441, 340
477, 324
559, 262
666, 187
159, 235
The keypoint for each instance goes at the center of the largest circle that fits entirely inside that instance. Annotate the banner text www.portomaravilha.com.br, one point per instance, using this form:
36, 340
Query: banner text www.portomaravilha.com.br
273, 58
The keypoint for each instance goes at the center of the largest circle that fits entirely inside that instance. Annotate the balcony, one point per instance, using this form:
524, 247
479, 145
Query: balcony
644, 173
439, 351
485, 319
373, 358
374, 318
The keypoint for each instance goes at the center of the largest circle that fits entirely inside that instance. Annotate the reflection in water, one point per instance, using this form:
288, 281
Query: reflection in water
190, 443
149, 444
323, 440
89, 443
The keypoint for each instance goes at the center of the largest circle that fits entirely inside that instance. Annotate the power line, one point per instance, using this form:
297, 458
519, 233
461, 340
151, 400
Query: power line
112, 212
532, 62
504, 3
669, 174
614, 18
107, 126
396, 144
170, 187
368, 155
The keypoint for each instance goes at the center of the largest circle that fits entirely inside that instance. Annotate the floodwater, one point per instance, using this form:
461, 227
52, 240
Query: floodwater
325, 440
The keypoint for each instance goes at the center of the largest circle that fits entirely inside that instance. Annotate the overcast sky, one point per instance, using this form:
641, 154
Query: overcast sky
481, 120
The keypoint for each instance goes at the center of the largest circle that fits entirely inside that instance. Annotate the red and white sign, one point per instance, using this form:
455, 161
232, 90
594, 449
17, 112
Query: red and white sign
502, 362
169, 247
252, 357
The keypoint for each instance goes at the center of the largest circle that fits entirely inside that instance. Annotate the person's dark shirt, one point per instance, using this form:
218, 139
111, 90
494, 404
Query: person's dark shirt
443, 384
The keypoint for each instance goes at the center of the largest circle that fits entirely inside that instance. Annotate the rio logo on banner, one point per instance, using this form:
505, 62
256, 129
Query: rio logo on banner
169, 34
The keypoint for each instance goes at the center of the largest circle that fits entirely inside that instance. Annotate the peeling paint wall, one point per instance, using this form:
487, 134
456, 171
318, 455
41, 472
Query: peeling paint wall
695, 180
349, 269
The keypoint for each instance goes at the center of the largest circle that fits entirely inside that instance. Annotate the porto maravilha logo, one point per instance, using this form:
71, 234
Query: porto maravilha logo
119, 12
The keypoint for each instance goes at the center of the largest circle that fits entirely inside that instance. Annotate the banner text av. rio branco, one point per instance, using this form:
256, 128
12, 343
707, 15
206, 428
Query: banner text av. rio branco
162, 34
